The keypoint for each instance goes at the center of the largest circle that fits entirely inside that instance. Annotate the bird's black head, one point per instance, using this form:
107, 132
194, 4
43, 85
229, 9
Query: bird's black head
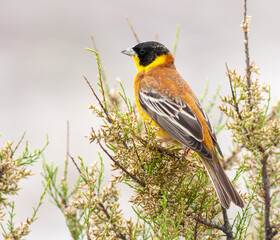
147, 52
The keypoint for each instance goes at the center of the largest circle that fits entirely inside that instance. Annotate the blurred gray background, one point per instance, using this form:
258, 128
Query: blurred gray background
43, 58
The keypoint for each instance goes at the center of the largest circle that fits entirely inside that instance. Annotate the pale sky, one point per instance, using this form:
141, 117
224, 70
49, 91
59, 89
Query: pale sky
43, 59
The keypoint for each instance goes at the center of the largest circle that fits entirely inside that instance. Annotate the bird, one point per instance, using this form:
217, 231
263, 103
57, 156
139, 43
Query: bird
165, 99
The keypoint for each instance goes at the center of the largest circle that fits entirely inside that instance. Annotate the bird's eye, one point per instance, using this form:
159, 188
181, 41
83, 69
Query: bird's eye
142, 51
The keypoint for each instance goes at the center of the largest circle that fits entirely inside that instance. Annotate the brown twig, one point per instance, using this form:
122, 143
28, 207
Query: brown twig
235, 102
275, 226
117, 163
101, 205
104, 210
208, 224
268, 229
99, 101
132, 29
2, 169
232, 93
228, 228
93, 42
247, 56
266, 196
234, 153
198, 216
269, 233
16, 147
137, 155
156, 36
79, 170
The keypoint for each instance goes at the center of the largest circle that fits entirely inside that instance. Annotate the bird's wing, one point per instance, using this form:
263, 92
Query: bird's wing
175, 117
210, 128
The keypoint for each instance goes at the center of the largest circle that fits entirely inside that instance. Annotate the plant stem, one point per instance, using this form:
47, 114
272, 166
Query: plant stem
247, 56
269, 234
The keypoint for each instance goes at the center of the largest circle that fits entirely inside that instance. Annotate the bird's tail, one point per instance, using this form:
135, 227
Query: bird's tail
223, 186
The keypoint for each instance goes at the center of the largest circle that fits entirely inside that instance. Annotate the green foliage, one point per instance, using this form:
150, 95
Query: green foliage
244, 218
90, 210
173, 197
171, 188
13, 169
257, 130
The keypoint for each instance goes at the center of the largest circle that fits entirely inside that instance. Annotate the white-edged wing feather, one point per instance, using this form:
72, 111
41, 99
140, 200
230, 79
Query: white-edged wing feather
210, 128
176, 118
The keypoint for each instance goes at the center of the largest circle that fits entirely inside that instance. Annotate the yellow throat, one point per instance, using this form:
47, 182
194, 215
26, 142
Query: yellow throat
158, 61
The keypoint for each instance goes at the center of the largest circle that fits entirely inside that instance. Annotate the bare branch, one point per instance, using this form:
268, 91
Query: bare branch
79, 170
275, 226
198, 216
208, 224
99, 101
101, 205
269, 234
266, 195
93, 42
157, 36
136, 152
22, 137
232, 93
228, 228
245, 27
132, 29
235, 102
237, 149
117, 163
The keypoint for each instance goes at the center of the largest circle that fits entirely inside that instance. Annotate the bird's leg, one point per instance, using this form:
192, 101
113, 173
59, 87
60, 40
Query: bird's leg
170, 143
165, 140
187, 151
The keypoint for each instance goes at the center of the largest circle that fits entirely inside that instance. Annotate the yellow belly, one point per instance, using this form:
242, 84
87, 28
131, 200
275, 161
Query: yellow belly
143, 114
147, 119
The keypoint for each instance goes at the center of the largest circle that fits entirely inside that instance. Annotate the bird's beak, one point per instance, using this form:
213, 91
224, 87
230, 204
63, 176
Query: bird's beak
129, 52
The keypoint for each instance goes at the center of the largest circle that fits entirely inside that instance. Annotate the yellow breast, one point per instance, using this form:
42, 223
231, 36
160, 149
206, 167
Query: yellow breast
144, 115
142, 70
